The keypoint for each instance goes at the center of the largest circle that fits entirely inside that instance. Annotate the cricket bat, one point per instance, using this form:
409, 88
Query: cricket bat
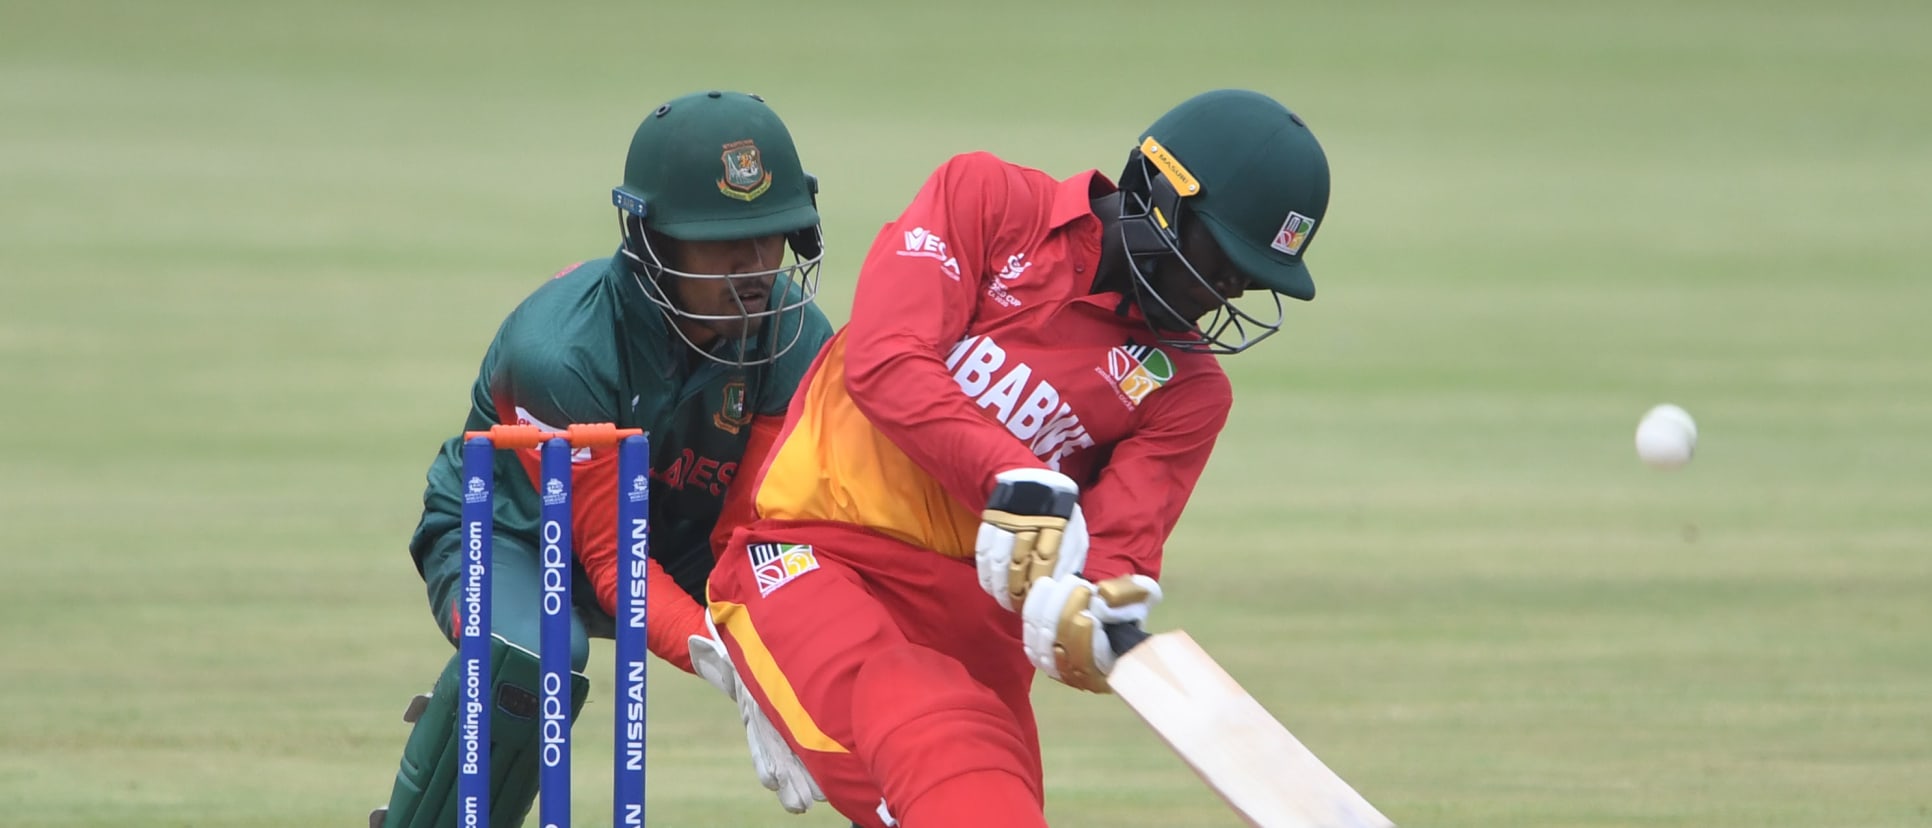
1265, 773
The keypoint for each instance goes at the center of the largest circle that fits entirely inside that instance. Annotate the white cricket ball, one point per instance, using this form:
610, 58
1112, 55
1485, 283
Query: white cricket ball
1666, 437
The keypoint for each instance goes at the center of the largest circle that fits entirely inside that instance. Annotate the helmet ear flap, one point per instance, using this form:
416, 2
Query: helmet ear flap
1148, 195
808, 242
1134, 178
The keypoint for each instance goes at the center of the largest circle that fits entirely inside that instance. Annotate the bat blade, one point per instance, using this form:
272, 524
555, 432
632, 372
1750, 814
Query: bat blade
1263, 772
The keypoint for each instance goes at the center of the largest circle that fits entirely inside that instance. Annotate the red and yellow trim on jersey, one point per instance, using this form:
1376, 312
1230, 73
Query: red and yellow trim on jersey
832, 464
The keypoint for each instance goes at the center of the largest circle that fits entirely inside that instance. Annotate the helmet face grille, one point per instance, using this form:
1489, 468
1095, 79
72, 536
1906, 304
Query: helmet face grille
721, 167
1150, 221
762, 335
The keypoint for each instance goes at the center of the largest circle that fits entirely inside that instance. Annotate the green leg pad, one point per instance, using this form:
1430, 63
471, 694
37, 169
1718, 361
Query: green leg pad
425, 792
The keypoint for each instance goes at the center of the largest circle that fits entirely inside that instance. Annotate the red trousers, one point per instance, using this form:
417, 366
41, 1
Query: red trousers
900, 683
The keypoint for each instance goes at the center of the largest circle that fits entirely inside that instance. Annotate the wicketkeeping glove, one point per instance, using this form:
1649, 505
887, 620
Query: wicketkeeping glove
1031, 529
1064, 618
778, 768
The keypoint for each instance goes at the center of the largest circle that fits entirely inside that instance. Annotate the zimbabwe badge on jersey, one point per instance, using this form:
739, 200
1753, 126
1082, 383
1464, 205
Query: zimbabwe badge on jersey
1137, 370
776, 564
745, 176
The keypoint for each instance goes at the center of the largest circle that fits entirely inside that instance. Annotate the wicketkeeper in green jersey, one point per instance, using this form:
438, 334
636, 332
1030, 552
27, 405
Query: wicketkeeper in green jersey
696, 331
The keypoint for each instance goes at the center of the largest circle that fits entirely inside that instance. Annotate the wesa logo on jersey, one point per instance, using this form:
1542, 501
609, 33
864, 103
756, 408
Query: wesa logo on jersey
1016, 265
1031, 409
776, 564
1137, 370
925, 244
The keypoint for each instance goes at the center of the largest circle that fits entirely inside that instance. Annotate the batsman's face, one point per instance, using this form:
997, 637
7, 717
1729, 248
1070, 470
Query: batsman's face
1207, 282
725, 283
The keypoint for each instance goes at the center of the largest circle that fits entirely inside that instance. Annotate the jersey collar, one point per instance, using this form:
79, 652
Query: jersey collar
1073, 199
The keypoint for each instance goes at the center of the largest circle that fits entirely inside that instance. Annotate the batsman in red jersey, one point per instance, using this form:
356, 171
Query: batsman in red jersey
981, 469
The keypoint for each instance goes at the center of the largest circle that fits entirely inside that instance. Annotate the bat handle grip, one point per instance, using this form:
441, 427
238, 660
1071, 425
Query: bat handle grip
1123, 636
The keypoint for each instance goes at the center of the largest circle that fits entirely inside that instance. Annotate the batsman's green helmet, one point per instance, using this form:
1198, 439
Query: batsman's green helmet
1253, 172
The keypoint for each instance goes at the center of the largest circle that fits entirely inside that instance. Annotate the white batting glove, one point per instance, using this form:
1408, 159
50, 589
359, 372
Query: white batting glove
1032, 528
778, 768
1064, 619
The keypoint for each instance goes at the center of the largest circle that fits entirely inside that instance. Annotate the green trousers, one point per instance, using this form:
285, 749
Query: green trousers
424, 795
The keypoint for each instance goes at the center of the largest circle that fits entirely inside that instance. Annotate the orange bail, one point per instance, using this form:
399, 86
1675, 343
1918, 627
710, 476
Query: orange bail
580, 435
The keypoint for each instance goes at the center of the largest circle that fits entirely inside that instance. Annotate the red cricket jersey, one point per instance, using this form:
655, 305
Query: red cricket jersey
976, 346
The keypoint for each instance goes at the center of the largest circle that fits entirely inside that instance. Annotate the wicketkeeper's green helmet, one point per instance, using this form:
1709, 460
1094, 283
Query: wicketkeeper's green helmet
1249, 169
721, 166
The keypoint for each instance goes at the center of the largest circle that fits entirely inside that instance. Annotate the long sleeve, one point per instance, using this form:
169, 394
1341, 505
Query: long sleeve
918, 291
1146, 483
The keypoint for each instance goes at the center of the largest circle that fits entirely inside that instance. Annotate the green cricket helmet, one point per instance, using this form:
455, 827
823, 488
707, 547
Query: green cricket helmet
1251, 172
721, 166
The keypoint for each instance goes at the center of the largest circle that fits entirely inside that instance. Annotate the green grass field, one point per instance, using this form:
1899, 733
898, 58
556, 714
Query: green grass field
250, 254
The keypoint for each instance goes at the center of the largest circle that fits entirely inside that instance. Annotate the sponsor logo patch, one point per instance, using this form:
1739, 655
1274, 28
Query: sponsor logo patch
776, 564
925, 244
1294, 233
1184, 184
745, 176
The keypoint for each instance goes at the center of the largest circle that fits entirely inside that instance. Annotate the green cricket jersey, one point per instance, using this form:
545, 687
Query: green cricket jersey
588, 347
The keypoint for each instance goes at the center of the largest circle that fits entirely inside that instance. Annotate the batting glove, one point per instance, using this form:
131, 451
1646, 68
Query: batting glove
1032, 529
1064, 619
778, 768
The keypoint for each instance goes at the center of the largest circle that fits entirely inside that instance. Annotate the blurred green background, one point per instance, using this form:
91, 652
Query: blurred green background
250, 254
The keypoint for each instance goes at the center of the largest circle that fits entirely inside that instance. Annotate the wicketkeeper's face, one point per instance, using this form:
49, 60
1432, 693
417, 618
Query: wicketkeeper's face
727, 284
